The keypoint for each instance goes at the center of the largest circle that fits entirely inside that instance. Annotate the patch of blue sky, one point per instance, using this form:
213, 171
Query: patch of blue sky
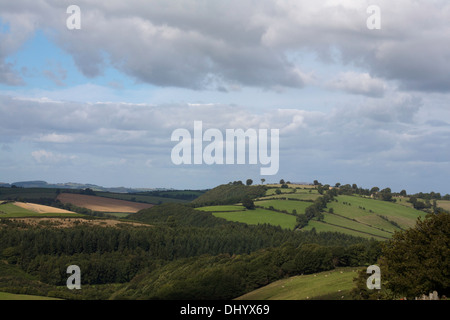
46, 68
4, 27
44, 65
50, 71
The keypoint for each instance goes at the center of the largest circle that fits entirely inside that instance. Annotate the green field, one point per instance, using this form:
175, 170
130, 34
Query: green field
272, 191
357, 230
287, 205
300, 196
366, 217
325, 227
353, 215
404, 201
9, 210
367, 210
259, 216
223, 208
13, 296
329, 285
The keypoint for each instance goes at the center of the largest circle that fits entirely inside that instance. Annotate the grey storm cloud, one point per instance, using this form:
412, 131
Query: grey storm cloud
226, 44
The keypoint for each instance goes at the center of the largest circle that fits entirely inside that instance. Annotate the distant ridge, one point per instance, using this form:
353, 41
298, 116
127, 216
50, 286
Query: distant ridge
73, 185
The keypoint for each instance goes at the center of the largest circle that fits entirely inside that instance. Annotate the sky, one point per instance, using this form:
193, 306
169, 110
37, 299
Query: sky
359, 95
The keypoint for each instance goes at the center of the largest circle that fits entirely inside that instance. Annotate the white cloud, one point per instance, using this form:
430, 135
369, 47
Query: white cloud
55, 138
135, 138
48, 157
358, 83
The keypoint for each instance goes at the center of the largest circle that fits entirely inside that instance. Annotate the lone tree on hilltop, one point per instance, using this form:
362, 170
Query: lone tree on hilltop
249, 182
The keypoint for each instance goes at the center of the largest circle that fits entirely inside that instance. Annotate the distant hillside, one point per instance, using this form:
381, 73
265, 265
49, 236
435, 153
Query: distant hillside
71, 185
101, 204
175, 214
304, 208
229, 194
326, 285
45, 194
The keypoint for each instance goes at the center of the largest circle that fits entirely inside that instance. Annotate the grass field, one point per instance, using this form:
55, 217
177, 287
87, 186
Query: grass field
39, 208
222, 208
353, 215
356, 230
15, 210
272, 191
403, 201
444, 204
325, 227
13, 296
287, 205
329, 285
300, 196
366, 217
259, 216
368, 210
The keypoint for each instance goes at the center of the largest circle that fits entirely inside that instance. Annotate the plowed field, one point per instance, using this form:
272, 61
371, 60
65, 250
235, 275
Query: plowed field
102, 204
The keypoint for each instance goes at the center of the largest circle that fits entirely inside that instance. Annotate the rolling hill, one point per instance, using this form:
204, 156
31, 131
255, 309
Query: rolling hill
328, 285
256, 216
229, 194
350, 214
210, 248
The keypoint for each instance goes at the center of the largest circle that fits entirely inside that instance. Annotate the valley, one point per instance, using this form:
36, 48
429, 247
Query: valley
281, 241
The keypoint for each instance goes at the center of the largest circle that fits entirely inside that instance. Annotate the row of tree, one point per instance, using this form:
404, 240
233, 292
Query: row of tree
315, 210
386, 193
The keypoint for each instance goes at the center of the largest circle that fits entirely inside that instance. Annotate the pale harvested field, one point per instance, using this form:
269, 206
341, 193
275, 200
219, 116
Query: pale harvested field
72, 222
102, 204
444, 204
39, 208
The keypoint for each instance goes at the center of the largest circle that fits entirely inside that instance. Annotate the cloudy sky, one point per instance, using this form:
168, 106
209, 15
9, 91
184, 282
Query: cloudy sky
353, 103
